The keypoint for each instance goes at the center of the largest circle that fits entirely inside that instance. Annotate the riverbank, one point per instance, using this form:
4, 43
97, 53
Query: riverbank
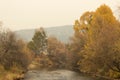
98, 77
12, 74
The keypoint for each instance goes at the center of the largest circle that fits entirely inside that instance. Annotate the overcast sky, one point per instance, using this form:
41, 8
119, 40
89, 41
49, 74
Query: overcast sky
24, 14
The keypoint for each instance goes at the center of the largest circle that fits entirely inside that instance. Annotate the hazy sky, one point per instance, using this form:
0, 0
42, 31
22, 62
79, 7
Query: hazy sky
24, 14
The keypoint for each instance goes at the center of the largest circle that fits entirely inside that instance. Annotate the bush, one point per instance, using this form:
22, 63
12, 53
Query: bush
13, 52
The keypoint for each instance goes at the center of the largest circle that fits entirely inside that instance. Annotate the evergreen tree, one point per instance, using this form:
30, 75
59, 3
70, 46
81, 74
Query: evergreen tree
39, 42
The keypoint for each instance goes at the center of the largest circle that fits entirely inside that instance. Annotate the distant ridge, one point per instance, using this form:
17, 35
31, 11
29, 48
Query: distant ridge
62, 33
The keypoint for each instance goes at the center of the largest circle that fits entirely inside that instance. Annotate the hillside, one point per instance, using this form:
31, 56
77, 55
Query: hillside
63, 33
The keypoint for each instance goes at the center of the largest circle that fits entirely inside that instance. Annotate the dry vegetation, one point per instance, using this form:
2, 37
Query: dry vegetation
94, 48
14, 55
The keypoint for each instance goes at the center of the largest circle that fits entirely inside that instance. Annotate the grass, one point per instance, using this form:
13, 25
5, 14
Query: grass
11, 74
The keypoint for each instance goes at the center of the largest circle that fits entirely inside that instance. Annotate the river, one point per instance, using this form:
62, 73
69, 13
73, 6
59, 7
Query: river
56, 75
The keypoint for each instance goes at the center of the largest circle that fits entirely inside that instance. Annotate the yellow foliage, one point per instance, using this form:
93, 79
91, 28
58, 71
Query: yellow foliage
101, 39
76, 26
103, 15
113, 74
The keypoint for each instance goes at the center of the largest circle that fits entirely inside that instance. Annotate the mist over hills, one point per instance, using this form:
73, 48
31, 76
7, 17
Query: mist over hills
62, 33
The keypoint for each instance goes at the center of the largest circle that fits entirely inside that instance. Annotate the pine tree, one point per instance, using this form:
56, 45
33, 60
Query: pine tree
39, 42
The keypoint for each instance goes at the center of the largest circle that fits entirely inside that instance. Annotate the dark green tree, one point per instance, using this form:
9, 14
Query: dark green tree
39, 42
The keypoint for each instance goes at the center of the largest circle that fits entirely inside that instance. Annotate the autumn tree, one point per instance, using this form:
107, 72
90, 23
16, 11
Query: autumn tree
79, 39
57, 53
12, 51
101, 33
39, 42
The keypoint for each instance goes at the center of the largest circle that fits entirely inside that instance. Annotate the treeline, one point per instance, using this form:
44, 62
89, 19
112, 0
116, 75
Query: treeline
94, 48
49, 52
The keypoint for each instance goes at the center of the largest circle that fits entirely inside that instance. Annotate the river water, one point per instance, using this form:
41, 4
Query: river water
56, 75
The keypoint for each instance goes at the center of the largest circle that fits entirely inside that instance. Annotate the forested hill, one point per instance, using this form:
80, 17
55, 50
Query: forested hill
63, 33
